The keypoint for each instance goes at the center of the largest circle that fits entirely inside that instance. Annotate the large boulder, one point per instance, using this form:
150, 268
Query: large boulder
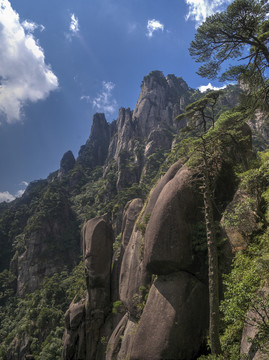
97, 251
133, 274
130, 214
67, 163
168, 237
174, 321
74, 341
85, 319
114, 343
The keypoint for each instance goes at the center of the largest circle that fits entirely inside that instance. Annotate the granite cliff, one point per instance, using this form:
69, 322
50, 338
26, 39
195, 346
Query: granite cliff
141, 289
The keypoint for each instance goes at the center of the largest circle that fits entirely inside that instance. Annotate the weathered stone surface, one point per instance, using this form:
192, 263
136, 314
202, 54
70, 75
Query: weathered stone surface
160, 185
114, 343
19, 348
133, 274
74, 343
248, 350
149, 127
174, 320
168, 237
158, 139
127, 340
67, 163
130, 214
239, 224
77, 313
158, 102
260, 129
95, 151
46, 251
87, 318
97, 251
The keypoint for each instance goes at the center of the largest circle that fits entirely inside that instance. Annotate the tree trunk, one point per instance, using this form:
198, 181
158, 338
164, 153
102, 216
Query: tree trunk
213, 283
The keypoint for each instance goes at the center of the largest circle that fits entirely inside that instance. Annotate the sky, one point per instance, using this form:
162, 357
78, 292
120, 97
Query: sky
61, 61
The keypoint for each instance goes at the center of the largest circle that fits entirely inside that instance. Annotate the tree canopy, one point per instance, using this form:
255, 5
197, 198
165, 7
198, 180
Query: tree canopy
242, 31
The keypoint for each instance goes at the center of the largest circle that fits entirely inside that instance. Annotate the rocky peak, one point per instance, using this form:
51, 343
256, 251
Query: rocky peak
67, 163
94, 152
99, 125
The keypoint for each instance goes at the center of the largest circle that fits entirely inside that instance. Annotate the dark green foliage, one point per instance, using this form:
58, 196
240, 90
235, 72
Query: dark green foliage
226, 35
14, 219
39, 315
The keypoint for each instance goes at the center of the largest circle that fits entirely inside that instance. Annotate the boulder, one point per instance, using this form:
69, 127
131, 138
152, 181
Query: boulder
97, 251
239, 221
168, 237
114, 343
174, 321
133, 274
77, 313
67, 163
130, 214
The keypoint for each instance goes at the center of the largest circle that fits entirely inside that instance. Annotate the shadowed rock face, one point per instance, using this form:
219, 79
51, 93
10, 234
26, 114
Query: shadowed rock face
94, 152
131, 212
174, 320
97, 252
255, 317
67, 163
173, 323
84, 320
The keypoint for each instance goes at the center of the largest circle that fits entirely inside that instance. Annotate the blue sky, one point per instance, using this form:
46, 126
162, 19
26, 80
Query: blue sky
63, 60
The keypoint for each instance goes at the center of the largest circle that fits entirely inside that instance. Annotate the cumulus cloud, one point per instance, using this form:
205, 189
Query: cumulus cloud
74, 26
199, 10
24, 75
154, 25
6, 196
32, 26
104, 101
204, 88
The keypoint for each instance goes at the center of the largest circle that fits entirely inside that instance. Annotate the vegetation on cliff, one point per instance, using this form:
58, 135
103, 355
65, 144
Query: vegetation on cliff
43, 226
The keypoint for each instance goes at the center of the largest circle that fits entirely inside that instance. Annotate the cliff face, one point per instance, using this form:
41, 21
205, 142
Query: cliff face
145, 272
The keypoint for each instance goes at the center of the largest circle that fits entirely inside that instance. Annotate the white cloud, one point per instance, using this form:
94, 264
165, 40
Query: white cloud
204, 88
25, 183
199, 10
74, 27
24, 76
154, 25
6, 196
87, 98
31, 26
104, 101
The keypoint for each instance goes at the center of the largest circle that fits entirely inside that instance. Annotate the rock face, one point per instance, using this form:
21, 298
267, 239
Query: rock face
149, 127
131, 212
67, 163
84, 320
94, 152
50, 246
172, 219
255, 317
173, 323
165, 318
